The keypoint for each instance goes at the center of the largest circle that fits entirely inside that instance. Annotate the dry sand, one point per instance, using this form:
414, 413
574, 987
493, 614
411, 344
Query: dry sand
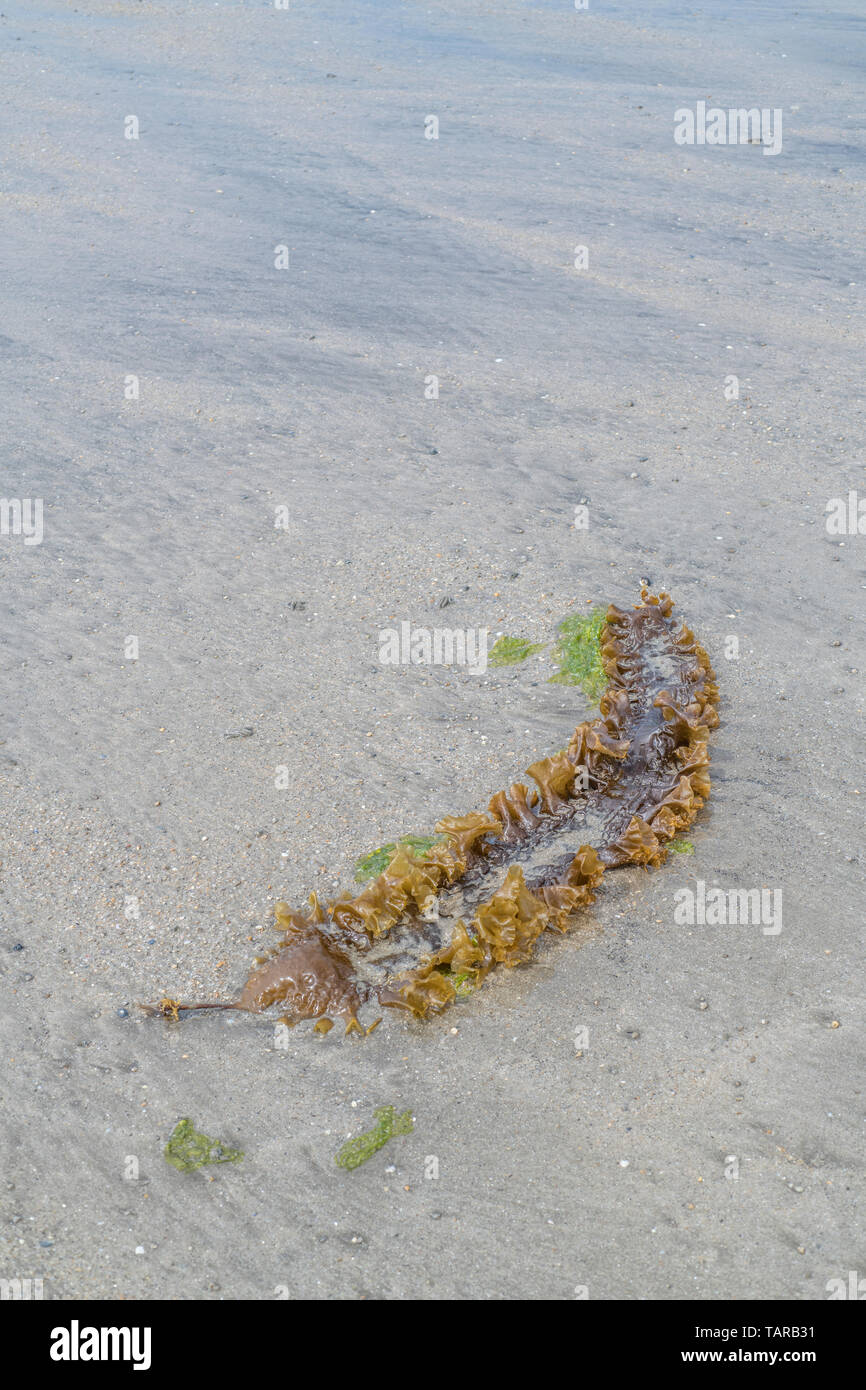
305, 388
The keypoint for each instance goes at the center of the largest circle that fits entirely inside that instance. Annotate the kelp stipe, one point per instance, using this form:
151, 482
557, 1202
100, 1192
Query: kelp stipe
429, 928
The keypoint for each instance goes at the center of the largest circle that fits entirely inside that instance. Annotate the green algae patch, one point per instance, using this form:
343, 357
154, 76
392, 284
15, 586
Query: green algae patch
682, 846
578, 653
509, 651
376, 862
187, 1149
462, 980
463, 984
388, 1123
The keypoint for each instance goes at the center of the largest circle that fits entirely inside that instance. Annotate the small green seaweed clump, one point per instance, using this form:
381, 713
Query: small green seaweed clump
187, 1149
579, 654
462, 980
682, 846
463, 983
373, 864
388, 1123
508, 651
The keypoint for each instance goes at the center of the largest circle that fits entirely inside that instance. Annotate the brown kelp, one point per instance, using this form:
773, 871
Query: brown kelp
429, 928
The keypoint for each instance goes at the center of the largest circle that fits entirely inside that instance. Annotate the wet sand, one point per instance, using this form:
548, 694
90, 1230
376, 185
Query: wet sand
560, 1168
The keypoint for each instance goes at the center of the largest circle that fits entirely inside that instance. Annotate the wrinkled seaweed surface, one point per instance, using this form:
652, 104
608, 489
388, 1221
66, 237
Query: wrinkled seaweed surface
371, 865
431, 925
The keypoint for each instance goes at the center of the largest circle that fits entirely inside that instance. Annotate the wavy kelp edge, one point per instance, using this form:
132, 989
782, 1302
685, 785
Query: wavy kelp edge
641, 768
373, 864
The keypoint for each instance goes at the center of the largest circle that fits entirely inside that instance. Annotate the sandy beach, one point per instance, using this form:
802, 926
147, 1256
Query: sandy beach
287, 365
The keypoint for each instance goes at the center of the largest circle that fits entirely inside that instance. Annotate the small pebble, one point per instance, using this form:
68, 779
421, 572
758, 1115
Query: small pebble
123, 1013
